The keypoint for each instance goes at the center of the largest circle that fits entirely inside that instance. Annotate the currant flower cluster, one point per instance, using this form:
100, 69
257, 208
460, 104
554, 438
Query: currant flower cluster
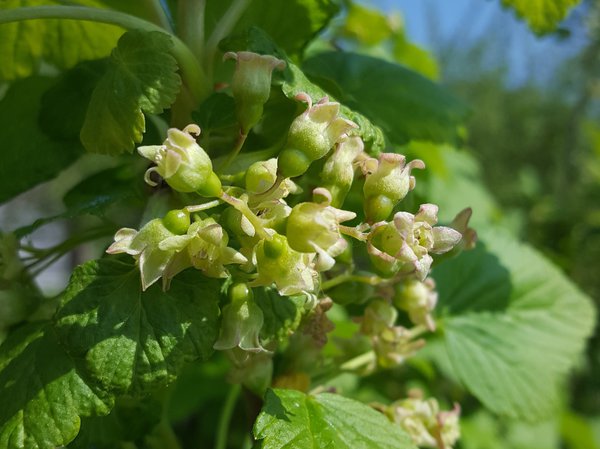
262, 230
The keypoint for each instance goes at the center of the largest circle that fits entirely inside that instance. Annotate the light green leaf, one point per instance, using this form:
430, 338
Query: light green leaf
367, 25
141, 78
406, 105
63, 43
542, 16
514, 325
29, 156
291, 419
43, 393
132, 340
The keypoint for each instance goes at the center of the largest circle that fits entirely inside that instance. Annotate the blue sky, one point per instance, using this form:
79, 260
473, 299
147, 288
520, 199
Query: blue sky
459, 22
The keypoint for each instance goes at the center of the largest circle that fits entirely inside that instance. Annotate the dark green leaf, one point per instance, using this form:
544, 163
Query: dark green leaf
282, 314
292, 24
30, 156
515, 325
406, 105
216, 112
60, 42
542, 16
64, 105
291, 419
133, 340
141, 78
42, 392
95, 193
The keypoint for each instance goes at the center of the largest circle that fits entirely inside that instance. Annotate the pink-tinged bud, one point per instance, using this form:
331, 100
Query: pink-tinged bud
404, 246
312, 135
338, 171
424, 422
387, 184
251, 85
418, 299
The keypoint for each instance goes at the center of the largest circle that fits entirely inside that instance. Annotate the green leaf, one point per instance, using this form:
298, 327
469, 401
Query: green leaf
406, 105
292, 24
64, 105
96, 193
282, 314
141, 78
63, 43
132, 340
542, 16
30, 156
367, 25
291, 419
514, 325
43, 393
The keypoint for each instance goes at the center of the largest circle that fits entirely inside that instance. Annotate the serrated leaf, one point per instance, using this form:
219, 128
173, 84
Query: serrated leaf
141, 78
515, 325
291, 419
406, 105
43, 394
132, 340
282, 314
30, 156
542, 16
60, 42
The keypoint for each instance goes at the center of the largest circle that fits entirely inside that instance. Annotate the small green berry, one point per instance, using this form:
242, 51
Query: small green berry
177, 221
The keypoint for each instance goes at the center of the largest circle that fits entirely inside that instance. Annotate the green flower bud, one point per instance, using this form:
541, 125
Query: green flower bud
418, 299
242, 321
424, 422
261, 176
312, 135
338, 171
387, 183
251, 85
378, 316
279, 264
314, 227
182, 163
404, 246
177, 221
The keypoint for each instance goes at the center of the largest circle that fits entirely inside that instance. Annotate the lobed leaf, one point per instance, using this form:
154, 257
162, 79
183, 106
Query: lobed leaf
132, 340
63, 43
141, 78
515, 325
291, 419
43, 392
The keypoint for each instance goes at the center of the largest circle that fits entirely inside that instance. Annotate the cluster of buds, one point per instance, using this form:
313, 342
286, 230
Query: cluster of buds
392, 344
424, 422
259, 229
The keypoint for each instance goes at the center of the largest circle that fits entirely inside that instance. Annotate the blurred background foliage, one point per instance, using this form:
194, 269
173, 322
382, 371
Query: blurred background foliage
527, 158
